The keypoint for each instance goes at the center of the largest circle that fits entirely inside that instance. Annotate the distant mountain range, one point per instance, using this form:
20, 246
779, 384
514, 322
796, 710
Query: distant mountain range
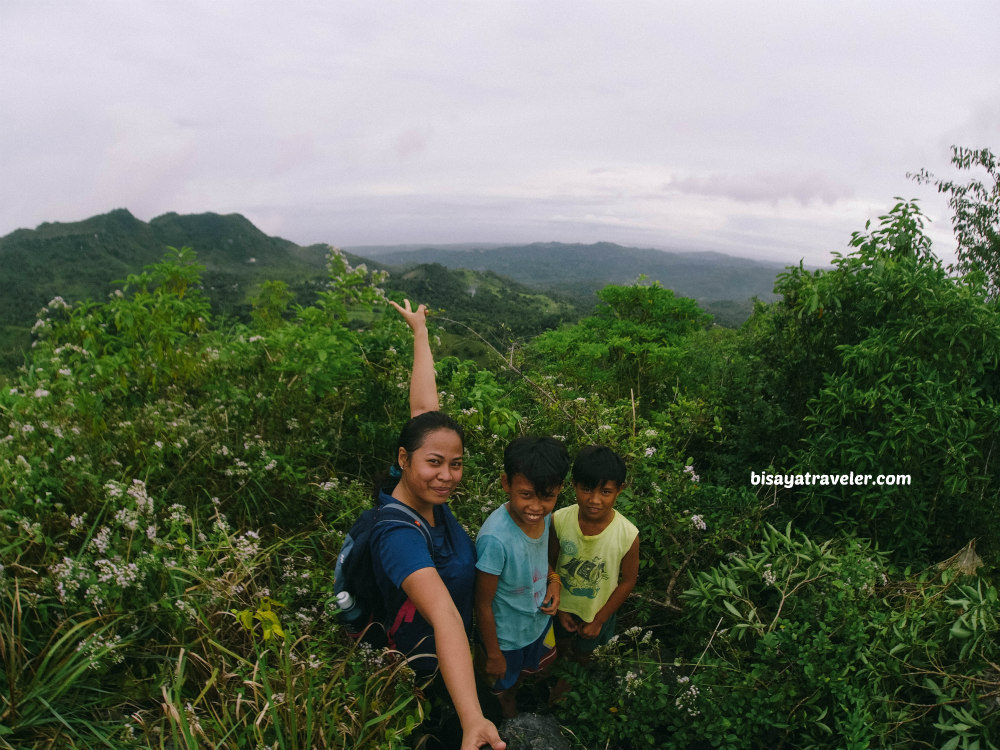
523, 288
581, 269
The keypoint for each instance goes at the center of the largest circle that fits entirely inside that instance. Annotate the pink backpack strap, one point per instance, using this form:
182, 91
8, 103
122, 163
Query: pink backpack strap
405, 615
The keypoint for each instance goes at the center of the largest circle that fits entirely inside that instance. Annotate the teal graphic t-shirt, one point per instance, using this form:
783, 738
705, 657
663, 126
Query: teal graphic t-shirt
522, 564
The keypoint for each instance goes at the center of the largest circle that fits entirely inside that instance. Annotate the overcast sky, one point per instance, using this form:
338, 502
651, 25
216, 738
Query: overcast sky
765, 129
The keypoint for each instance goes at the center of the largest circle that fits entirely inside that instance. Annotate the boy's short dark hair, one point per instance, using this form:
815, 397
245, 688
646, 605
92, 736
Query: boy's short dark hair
544, 461
597, 464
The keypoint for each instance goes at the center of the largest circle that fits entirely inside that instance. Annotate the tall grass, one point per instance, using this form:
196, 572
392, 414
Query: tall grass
51, 691
286, 699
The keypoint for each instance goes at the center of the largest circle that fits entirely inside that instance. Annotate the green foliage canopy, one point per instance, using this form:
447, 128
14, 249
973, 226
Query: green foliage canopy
629, 348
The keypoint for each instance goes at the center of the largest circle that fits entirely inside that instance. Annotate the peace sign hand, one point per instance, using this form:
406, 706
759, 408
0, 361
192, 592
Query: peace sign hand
415, 319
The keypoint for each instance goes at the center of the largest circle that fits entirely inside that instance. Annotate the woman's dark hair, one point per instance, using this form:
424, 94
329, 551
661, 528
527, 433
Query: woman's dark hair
597, 464
411, 437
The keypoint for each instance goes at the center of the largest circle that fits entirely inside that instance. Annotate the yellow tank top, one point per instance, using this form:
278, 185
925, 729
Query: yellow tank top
589, 565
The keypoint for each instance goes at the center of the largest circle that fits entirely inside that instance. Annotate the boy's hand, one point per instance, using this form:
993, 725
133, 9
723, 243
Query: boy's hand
414, 318
567, 621
496, 666
590, 629
551, 603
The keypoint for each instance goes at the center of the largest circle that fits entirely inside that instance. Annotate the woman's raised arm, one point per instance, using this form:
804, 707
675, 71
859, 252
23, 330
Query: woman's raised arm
423, 385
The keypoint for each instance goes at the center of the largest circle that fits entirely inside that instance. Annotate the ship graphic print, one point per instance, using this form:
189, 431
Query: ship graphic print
582, 577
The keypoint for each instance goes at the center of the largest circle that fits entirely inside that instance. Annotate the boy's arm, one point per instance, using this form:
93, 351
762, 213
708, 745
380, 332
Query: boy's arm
553, 587
552, 590
565, 619
553, 547
423, 385
486, 589
629, 577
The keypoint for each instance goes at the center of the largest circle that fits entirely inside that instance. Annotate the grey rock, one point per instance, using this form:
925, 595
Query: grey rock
533, 732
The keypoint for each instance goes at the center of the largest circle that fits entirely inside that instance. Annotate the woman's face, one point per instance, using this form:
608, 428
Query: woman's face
432, 471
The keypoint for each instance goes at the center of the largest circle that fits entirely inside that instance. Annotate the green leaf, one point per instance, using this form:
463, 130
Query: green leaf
728, 605
957, 631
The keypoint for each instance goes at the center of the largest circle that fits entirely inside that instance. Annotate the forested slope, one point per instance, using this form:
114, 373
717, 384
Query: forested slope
84, 260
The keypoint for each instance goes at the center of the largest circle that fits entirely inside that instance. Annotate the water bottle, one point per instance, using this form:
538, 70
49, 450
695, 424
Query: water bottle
350, 613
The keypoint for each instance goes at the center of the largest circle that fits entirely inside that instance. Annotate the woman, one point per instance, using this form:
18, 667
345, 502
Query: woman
434, 624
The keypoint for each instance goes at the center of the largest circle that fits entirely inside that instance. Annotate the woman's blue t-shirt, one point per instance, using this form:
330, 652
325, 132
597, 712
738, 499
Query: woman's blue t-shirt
399, 550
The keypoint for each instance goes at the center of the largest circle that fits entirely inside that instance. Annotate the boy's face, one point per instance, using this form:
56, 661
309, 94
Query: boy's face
526, 506
597, 504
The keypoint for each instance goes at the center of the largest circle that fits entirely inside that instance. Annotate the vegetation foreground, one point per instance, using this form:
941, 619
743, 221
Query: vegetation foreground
176, 489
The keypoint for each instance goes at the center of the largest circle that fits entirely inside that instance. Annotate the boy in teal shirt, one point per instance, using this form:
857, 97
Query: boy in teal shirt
516, 591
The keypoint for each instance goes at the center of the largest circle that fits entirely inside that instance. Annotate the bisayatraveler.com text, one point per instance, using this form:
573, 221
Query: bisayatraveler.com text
850, 479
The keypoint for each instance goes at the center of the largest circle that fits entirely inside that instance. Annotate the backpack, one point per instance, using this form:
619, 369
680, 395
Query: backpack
355, 573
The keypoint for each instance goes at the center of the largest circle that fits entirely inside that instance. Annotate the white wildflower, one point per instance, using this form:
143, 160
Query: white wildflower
143, 502
768, 575
101, 540
247, 545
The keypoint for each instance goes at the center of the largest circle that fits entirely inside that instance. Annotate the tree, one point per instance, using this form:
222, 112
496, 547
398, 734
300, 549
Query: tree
630, 346
909, 386
976, 213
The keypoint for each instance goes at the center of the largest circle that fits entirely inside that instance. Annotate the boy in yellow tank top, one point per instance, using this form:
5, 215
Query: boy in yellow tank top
595, 551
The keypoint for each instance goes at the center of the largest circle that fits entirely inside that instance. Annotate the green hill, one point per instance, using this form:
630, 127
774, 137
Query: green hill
85, 259
572, 267
500, 292
723, 285
494, 307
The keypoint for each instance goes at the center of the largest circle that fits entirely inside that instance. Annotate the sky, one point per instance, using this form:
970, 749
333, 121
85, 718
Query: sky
770, 130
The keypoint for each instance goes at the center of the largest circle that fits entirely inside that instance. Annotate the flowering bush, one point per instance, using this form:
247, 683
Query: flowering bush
167, 483
624, 693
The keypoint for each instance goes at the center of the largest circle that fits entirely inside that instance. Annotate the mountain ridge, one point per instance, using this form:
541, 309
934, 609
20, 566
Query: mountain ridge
86, 259
583, 268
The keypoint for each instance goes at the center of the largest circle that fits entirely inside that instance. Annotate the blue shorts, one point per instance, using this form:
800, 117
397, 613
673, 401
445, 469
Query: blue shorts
530, 659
